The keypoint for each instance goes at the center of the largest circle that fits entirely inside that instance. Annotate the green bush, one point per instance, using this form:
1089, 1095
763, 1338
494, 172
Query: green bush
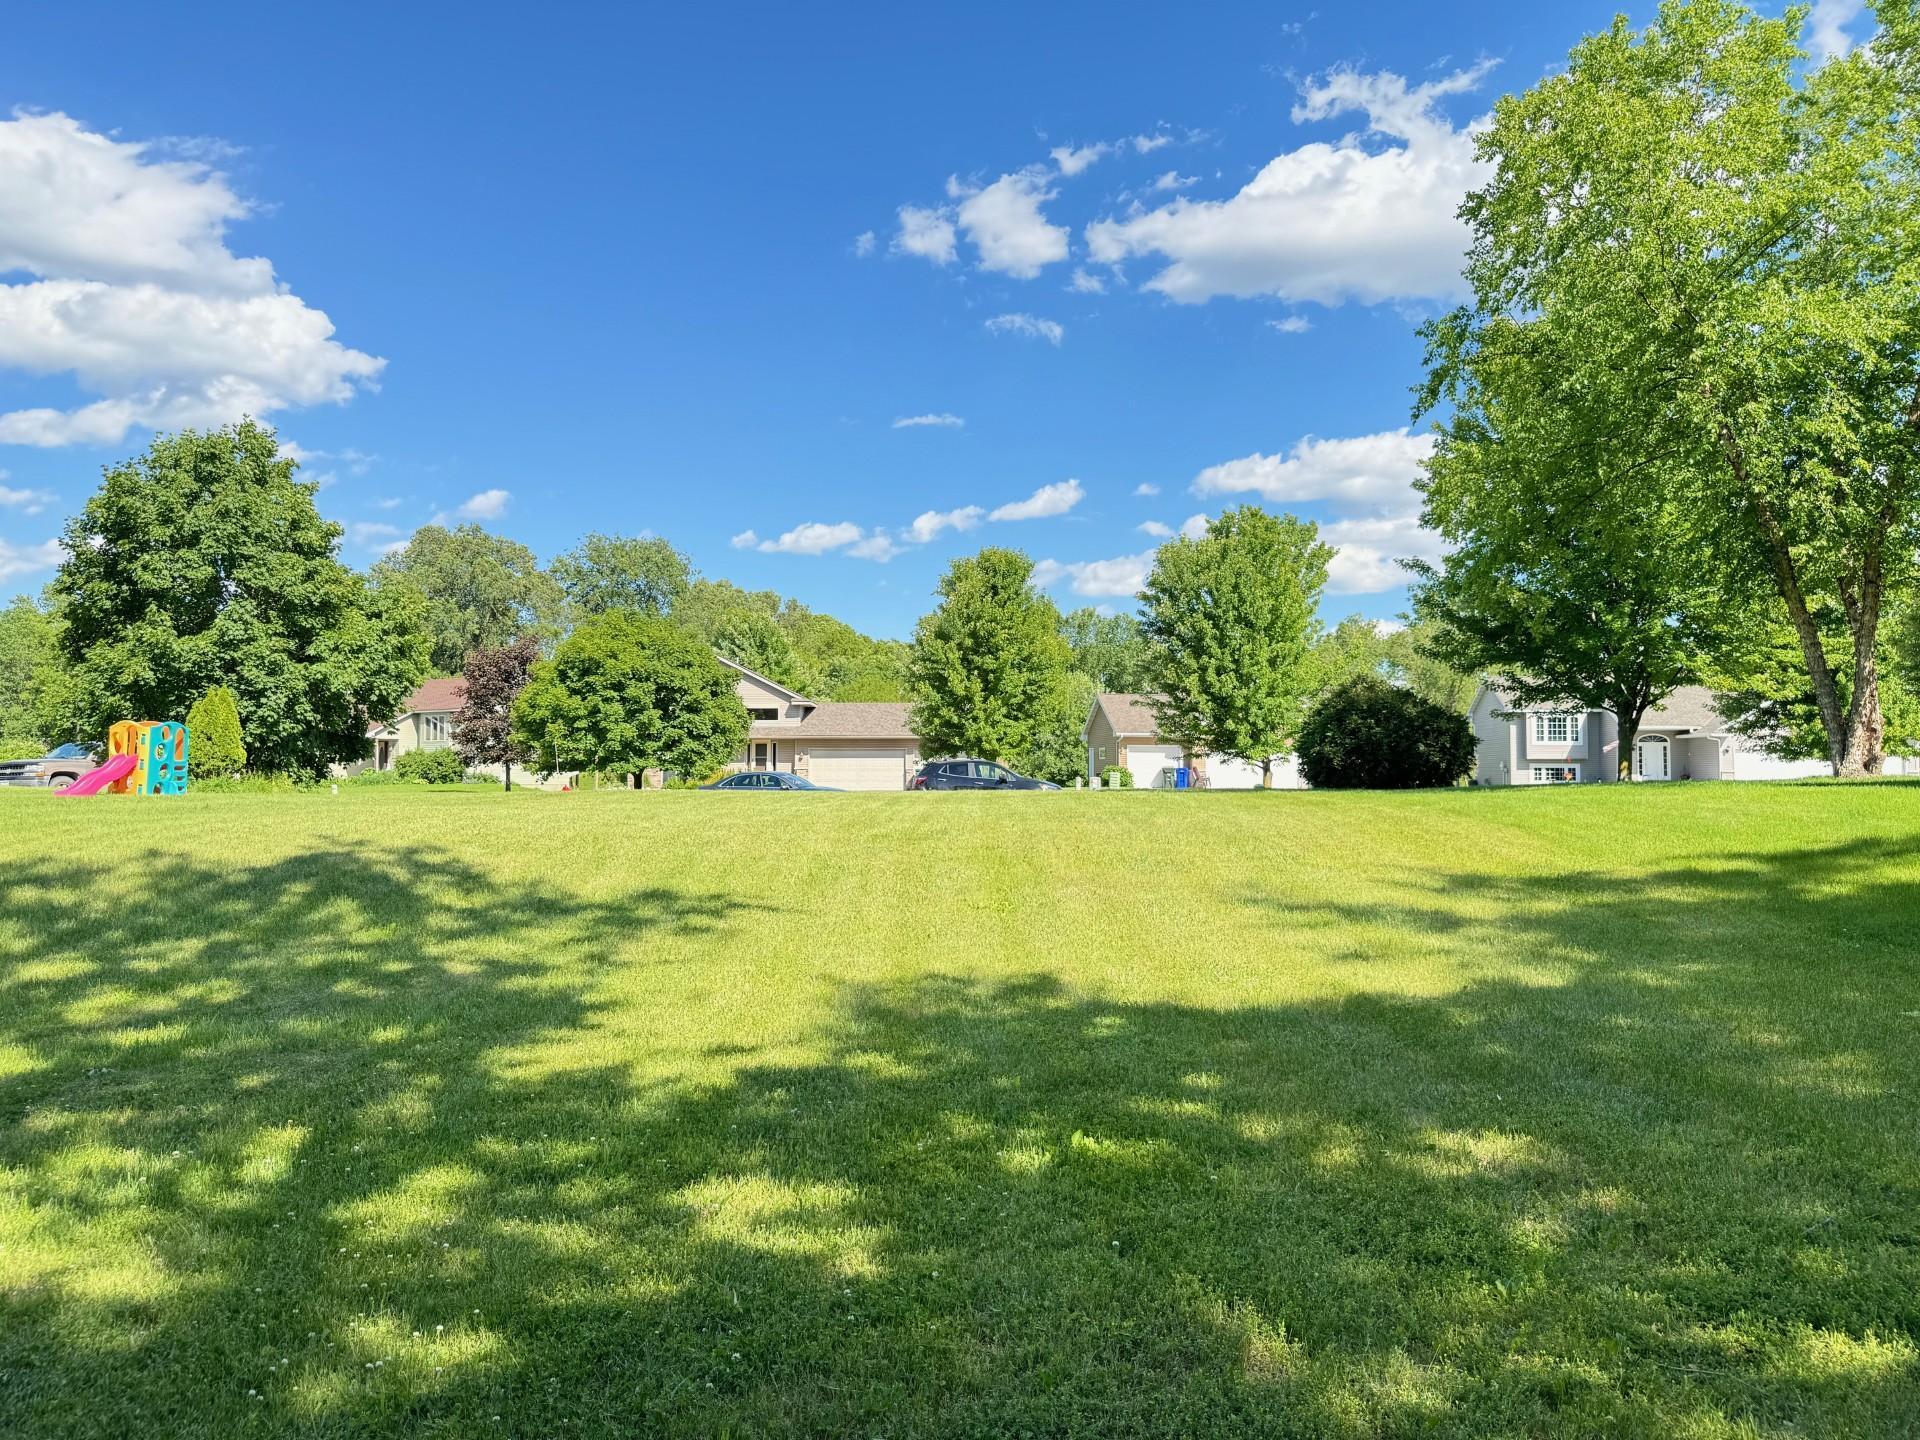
21, 749
213, 736
1117, 777
436, 767
1365, 734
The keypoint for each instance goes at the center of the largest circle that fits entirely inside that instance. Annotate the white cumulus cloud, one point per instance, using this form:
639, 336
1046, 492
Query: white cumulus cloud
865, 243
18, 560
1072, 160
135, 295
1827, 37
812, 538
1327, 222
487, 505
1155, 529
1004, 223
1085, 282
1123, 575
1020, 323
926, 233
1371, 470
941, 421
931, 522
1146, 487
1048, 500
27, 502
1368, 551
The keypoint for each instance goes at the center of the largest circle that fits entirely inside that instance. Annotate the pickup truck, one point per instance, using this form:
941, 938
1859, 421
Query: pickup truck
61, 765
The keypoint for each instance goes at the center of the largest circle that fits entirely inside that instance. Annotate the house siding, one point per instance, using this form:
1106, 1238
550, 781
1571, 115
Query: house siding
1103, 746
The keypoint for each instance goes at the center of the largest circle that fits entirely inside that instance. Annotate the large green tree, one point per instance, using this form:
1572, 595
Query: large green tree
481, 590
1396, 652
1573, 574
628, 692
1730, 239
620, 572
988, 669
1230, 617
1109, 650
204, 562
29, 663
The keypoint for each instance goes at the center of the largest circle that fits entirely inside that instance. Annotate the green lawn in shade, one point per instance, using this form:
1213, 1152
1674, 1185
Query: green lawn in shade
407, 1112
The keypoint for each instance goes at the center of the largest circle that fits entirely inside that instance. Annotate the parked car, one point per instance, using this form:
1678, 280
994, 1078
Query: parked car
61, 765
767, 780
974, 775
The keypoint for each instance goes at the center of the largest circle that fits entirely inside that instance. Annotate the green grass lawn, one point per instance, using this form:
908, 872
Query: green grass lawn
419, 1113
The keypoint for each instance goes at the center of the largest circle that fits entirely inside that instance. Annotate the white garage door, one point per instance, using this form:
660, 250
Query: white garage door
858, 769
1149, 764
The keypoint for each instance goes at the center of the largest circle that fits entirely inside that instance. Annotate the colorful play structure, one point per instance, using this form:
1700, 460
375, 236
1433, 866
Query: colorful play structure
144, 757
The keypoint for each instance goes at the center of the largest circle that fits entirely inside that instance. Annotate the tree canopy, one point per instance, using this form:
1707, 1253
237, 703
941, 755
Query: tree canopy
627, 692
29, 661
988, 669
203, 562
1230, 618
615, 572
480, 589
1110, 650
1726, 242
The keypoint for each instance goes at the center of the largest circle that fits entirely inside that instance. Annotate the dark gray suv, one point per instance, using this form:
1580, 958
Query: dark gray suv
974, 775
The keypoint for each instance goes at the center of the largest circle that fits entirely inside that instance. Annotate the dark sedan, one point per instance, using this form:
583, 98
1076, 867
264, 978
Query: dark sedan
766, 780
974, 775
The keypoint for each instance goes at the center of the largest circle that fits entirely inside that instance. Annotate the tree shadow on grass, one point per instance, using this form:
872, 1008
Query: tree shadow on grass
1659, 1184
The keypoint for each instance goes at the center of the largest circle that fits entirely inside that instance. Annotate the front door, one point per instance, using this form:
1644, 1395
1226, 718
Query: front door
1652, 758
766, 755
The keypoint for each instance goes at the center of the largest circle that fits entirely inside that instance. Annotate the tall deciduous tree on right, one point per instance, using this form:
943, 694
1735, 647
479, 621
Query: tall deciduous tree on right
1734, 237
1230, 618
483, 727
989, 667
1573, 575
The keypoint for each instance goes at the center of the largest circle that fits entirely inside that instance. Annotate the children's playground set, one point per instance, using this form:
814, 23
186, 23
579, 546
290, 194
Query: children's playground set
144, 757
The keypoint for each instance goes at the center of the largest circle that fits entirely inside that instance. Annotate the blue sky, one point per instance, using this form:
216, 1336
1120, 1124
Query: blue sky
688, 271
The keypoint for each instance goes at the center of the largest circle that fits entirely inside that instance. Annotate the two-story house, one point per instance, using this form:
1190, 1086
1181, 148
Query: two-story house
845, 744
1683, 738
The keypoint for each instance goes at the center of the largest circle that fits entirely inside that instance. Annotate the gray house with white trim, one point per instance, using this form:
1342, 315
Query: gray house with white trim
1682, 738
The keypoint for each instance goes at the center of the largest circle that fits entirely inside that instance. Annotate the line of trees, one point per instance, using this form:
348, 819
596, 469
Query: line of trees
1228, 648
1682, 439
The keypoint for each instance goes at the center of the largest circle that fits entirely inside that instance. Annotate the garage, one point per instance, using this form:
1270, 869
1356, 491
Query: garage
862, 768
1150, 763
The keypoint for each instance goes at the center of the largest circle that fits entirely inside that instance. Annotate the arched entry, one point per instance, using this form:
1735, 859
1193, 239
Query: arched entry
1652, 758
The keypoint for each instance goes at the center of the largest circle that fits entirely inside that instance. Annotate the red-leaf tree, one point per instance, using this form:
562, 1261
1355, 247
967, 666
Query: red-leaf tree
483, 730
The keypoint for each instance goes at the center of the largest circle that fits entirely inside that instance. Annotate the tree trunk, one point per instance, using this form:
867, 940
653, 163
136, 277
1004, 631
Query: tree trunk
1266, 772
1786, 577
1866, 725
508, 768
1629, 732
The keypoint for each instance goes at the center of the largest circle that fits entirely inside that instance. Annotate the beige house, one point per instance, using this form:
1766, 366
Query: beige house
1122, 730
425, 722
845, 744
1683, 738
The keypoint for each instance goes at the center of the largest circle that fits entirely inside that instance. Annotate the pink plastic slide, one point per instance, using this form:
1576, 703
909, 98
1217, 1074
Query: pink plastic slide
94, 781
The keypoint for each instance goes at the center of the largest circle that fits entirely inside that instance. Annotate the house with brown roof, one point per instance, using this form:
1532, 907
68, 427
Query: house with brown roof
1122, 730
425, 721
1682, 738
845, 744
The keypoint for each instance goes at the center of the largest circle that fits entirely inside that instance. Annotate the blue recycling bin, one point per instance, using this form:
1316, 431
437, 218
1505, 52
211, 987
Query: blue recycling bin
1183, 778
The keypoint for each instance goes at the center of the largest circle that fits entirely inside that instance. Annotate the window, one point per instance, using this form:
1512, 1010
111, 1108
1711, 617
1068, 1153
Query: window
1556, 774
1103, 754
1557, 728
759, 712
434, 727
984, 770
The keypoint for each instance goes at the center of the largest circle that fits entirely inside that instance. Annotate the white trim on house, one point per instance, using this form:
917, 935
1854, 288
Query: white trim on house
1570, 723
1543, 774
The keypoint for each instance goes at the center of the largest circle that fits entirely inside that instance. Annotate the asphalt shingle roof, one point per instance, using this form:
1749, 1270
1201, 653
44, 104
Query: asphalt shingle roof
1128, 714
843, 720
